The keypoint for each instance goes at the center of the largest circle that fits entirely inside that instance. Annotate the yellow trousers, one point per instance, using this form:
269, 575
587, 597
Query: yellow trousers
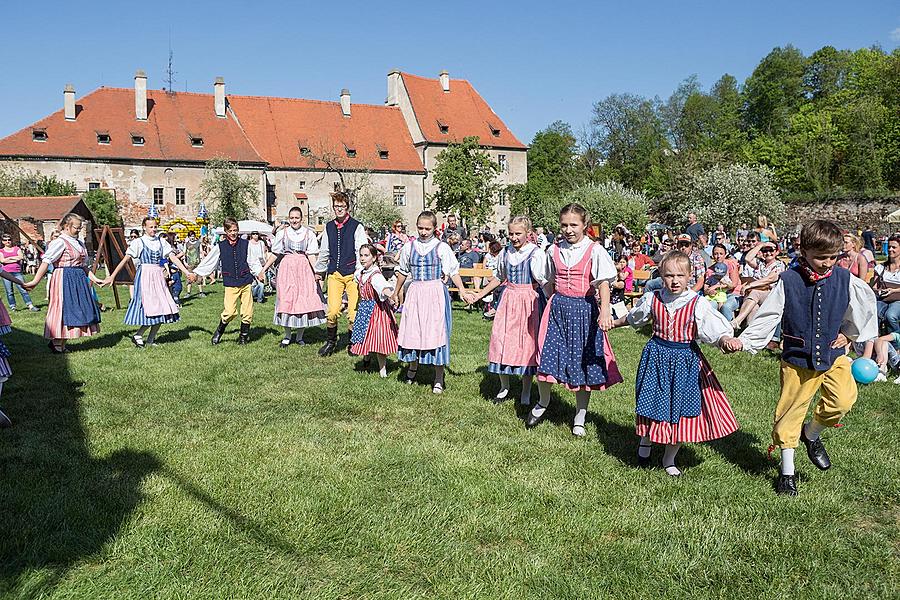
233, 295
799, 387
337, 285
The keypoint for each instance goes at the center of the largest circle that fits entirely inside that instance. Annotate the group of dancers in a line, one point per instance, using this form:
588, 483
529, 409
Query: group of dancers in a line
551, 321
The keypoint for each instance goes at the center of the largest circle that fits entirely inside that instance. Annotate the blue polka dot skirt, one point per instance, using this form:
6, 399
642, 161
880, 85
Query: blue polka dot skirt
668, 381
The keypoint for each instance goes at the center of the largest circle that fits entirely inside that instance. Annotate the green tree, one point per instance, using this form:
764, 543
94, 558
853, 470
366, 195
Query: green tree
608, 204
465, 177
774, 90
226, 192
104, 207
825, 72
375, 208
18, 182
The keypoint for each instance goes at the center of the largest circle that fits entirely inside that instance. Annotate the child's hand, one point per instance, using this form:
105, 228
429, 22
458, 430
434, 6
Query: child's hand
841, 341
605, 322
730, 344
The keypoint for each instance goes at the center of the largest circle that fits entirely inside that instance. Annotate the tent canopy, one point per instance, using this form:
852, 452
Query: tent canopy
248, 227
894, 217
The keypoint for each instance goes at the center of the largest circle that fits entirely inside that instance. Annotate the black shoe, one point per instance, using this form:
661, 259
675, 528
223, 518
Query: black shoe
642, 462
285, 343
532, 421
786, 485
137, 340
220, 331
244, 337
53, 348
815, 450
330, 344
4, 420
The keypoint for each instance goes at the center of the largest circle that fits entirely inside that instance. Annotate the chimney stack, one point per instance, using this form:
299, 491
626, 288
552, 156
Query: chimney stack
140, 95
69, 101
219, 90
393, 95
345, 102
445, 81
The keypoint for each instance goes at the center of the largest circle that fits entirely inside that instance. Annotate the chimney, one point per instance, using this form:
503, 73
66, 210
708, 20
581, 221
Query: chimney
345, 102
393, 96
445, 81
219, 90
69, 101
140, 95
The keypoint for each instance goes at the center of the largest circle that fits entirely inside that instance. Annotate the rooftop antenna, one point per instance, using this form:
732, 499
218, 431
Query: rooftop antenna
170, 70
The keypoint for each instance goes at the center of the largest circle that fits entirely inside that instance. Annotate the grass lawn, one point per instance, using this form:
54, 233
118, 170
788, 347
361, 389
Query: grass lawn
192, 471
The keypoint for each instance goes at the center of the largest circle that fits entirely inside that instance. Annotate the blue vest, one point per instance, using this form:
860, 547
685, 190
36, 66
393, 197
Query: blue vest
233, 259
342, 247
813, 313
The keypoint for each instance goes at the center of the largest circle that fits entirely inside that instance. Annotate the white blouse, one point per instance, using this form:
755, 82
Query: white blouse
289, 240
449, 264
153, 244
383, 287
58, 246
860, 322
538, 262
602, 266
887, 276
711, 325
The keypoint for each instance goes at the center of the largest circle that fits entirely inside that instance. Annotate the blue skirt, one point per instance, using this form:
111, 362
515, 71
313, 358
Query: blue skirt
364, 311
668, 381
79, 307
572, 348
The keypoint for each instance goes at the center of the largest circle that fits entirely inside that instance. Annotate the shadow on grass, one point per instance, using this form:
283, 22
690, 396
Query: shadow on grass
104, 340
742, 449
61, 505
177, 334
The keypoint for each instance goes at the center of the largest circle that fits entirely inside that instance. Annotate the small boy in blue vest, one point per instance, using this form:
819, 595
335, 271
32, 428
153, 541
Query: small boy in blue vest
231, 254
820, 307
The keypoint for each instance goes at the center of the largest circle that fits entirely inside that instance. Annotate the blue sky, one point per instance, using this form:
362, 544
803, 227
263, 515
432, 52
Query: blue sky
534, 62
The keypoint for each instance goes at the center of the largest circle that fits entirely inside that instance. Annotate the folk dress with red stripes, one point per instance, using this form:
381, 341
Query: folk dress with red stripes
379, 333
671, 370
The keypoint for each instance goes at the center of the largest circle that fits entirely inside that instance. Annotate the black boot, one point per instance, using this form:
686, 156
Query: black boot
330, 344
220, 330
244, 337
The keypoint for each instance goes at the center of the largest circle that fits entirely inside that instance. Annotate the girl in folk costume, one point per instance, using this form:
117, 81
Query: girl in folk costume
521, 269
298, 301
574, 349
152, 303
72, 313
679, 398
424, 335
374, 330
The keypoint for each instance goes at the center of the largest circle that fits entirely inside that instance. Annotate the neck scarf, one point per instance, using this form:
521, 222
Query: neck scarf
810, 274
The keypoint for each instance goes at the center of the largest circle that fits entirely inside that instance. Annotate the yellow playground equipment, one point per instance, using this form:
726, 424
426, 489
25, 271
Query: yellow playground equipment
183, 226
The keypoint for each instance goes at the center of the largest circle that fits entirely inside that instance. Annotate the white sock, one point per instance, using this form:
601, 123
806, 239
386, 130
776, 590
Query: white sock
813, 429
581, 403
288, 332
644, 446
538, 409
669, 459
787, 461
298, 334
504, 387
525, 398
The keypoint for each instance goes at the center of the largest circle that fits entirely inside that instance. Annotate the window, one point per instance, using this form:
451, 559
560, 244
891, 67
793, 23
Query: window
501, 160
158, 196
304, 151
399, 195
337, 186
93, 185
443, 126
495, 131
197, 141
103, 138
301, 185
383, 154
179, 196
38, 135
351, 152
137, 140
321, 220
502, 198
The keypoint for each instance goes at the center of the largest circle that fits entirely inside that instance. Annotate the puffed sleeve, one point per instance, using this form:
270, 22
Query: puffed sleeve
312, 243
278, 242
500, 270
322, 263
54, 251
767, 318
134, 249
711, 324
602, 266
539, 267
209, 262
165, 247
403, 266
449, 264
382, 286
861, 319
549, 264
642, 311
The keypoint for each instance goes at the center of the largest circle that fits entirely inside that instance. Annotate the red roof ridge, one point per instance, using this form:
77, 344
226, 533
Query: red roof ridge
309, 100
405, 74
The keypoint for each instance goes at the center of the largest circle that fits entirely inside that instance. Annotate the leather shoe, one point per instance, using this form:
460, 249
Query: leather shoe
532, 421
786, 485
643, 462
815, 449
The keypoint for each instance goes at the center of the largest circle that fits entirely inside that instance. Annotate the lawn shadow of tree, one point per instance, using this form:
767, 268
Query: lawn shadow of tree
61, 504
742, 450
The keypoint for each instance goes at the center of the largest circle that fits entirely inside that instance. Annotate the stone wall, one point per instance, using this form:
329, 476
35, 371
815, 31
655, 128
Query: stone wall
848, 214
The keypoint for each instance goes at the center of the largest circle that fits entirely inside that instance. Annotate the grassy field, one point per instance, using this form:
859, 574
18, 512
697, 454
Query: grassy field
192, 471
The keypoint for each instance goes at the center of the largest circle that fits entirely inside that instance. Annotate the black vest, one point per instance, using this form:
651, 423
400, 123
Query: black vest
342, 246
233, 259
812, 318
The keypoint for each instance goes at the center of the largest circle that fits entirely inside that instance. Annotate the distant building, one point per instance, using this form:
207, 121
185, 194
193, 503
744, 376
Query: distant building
150, 146
37, 216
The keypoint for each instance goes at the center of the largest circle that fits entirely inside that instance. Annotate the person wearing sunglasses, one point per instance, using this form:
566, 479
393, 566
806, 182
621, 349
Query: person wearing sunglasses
11, 257
763, 268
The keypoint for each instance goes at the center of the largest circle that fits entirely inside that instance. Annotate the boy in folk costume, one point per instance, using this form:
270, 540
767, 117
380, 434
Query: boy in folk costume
338, 253
820, 306
237, 275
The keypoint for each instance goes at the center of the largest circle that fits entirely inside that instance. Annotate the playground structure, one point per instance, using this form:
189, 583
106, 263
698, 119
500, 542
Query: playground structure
184, 226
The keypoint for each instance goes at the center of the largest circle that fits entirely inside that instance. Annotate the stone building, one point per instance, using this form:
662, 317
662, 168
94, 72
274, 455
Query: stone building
151, 146
37, 216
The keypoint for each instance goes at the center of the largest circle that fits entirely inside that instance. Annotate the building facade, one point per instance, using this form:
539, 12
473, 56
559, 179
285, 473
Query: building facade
151, 146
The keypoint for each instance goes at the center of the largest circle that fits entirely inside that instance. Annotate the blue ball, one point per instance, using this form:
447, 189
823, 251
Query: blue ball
864, 370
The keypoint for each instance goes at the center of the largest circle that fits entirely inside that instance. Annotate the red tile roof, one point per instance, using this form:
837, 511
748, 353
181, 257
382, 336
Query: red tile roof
462, 109
172, 120
280, 127
40, 208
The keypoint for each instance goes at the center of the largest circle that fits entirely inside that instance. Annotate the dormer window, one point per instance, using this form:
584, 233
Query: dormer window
304, 151
351, 152
443, 127
197, 141
103, 138
494, 130
383, 154
38, 135
137, 139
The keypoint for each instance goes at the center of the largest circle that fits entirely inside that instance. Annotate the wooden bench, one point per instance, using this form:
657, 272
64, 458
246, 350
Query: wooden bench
476, 273
642, 275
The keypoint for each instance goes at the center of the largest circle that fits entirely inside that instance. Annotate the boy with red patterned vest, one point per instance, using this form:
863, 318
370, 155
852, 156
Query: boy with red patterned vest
820, 306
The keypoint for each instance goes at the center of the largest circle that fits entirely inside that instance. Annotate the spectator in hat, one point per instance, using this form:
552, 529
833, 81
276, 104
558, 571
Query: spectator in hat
762, 268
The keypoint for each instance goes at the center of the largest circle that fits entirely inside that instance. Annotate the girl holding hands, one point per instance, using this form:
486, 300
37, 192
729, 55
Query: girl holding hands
374, 329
